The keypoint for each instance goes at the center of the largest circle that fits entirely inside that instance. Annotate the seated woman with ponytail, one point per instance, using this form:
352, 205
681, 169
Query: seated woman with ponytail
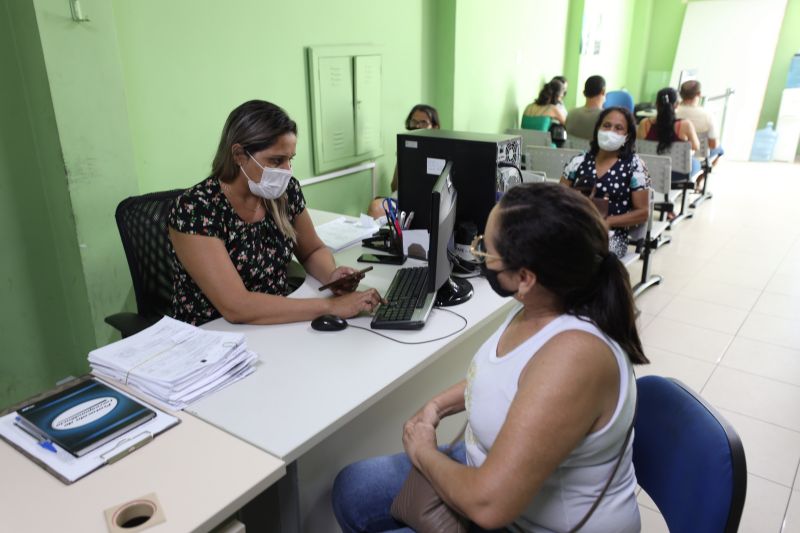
667, 129
612, 171
549, 397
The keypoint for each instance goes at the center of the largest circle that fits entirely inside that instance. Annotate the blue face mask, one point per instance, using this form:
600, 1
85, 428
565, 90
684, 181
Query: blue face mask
494, 283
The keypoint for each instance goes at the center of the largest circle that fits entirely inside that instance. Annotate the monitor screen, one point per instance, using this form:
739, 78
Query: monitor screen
443, 218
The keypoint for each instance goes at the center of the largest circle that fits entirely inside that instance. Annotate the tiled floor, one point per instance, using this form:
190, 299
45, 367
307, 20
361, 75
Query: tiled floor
726, 321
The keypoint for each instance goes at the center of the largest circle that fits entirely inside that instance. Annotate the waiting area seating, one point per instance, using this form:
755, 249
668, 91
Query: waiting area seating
688, 458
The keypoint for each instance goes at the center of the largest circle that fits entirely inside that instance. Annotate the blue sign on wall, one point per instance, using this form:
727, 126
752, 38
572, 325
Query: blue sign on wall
793, 80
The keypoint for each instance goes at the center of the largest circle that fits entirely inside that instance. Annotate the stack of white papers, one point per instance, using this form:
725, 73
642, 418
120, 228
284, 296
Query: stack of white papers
341, 232
175, 363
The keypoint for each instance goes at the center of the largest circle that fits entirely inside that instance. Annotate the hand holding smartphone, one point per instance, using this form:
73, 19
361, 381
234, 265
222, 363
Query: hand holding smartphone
345, 280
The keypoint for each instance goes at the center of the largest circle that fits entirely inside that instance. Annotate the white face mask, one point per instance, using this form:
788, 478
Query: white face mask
273, 181
610, 141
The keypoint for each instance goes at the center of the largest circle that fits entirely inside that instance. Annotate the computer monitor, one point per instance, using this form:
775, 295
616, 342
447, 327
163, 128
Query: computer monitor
449, 291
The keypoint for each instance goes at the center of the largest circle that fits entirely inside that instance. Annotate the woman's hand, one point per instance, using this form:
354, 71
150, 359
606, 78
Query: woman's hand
348, 286
353, 303
418, 435
429, 414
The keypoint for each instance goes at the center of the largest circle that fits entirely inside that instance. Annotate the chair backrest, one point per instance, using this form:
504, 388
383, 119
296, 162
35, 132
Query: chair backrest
688, 458
620, 98
680, 152
704, 151
551, 161
577, 143
659, 168
142, 224
540, 123
532, 137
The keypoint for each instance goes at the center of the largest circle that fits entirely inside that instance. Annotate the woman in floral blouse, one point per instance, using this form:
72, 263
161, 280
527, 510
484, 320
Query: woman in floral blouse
234, 233
611, 171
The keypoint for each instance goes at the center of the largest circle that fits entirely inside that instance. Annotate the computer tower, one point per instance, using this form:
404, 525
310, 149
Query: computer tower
476, 158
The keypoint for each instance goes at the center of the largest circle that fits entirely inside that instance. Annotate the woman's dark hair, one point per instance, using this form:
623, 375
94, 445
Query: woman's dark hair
665, 120
557, 234
629, 148
550, 93
433, 115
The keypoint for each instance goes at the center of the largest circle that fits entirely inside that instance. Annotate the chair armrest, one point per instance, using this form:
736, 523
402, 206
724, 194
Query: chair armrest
127, 323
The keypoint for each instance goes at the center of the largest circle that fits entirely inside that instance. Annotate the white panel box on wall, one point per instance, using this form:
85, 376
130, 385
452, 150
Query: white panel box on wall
788, 127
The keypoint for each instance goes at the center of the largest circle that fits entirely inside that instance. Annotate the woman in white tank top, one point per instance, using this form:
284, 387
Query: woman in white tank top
550, 397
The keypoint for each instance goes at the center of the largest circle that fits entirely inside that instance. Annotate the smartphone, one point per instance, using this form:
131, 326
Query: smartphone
382, 258
344, 280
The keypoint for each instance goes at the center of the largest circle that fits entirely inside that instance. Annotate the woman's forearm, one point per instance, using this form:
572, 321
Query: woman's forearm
259, 308
631, 218
451, 400
320, 264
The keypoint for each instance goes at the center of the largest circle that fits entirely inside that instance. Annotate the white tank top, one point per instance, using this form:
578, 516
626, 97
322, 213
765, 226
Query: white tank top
573, 487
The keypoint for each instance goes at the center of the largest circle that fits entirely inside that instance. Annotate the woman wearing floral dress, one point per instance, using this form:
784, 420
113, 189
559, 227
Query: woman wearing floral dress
611, 170
234, 233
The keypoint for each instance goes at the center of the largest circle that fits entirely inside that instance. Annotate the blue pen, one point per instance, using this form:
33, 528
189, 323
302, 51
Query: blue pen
42, 441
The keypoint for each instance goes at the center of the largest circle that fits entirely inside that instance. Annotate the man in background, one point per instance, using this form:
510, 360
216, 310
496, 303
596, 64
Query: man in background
690, 109
581, 120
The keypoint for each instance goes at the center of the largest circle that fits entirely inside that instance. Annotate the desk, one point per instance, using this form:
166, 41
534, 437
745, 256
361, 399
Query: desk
310, 385
201, 475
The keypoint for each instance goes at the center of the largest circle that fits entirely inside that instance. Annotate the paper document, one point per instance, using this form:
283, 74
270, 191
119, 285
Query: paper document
175, 363
341, 232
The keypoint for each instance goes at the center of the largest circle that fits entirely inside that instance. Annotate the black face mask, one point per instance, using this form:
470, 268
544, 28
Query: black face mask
494, 283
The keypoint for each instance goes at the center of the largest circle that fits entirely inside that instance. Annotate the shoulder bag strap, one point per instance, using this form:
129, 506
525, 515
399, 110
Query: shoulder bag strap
610, 478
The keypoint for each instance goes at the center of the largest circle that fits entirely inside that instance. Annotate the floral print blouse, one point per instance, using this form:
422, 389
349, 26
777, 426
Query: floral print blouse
624, 177
258, 250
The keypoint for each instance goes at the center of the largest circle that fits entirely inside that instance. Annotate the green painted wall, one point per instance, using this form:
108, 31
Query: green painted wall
572, 52
500, 62
788, 45
88, 97
179, 91
641, 22
438, 64
45, 321
662, 45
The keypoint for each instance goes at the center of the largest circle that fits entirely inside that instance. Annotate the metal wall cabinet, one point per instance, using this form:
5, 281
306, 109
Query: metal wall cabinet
345, 90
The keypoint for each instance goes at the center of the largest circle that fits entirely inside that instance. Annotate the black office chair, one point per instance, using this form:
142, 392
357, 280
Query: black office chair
688, 458
142, 224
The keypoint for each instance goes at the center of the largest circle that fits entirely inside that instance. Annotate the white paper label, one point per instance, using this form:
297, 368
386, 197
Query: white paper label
411, 144
435, 166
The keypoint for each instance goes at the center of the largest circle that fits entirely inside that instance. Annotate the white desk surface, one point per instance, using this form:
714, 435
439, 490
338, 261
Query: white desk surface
200, 474
310, 383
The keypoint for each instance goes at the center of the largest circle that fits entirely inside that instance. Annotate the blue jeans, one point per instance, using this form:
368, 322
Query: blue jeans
716, 151
363, 492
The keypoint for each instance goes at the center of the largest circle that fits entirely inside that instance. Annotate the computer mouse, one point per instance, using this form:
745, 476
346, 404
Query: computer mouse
329, 323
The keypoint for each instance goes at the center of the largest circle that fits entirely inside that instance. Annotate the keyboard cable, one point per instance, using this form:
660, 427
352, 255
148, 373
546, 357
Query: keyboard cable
459, 330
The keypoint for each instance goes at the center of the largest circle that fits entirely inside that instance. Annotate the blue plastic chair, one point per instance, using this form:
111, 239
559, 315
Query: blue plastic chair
619, 99
688, 458
540, 123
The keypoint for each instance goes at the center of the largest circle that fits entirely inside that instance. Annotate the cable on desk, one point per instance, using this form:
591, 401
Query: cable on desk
459, 330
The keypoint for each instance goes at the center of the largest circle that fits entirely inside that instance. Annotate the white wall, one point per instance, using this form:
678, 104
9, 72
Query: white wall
603, 22
731, 43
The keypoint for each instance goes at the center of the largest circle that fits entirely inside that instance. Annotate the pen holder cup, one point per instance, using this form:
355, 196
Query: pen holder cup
136, 515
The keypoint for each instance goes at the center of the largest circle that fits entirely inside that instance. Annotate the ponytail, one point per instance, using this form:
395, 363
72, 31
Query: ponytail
550, 93
556, 233
665, 119
609, 304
